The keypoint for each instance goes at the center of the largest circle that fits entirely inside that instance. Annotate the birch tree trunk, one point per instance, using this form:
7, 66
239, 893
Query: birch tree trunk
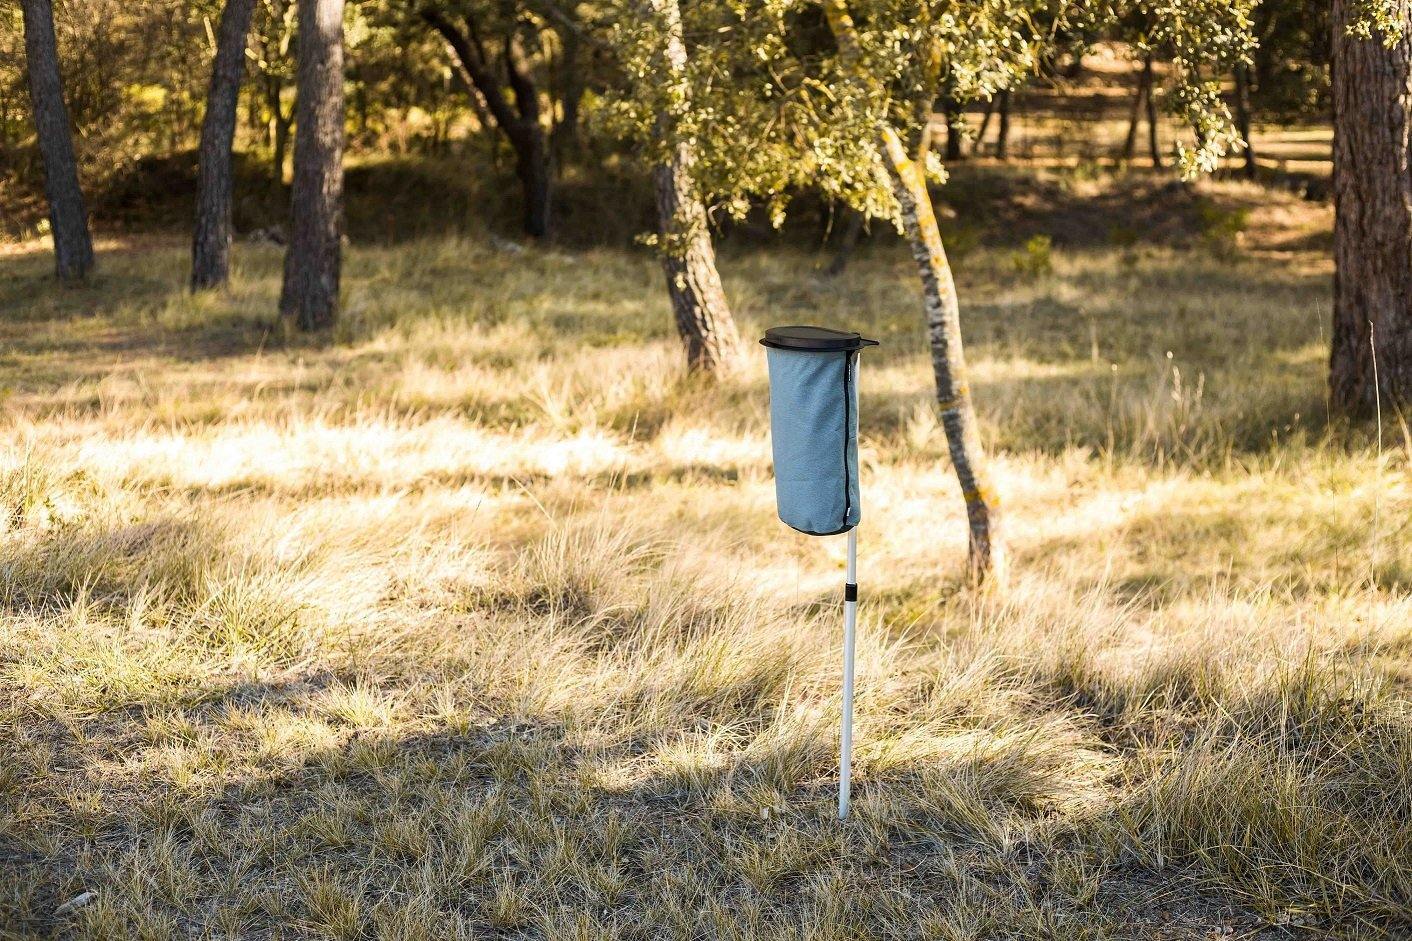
210, 242
312, 265
68, 217
943, 315
699, 306
1372, 92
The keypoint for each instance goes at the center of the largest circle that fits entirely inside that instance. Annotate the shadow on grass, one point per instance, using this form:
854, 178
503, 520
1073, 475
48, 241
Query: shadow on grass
505, 826
196, 812
499, 830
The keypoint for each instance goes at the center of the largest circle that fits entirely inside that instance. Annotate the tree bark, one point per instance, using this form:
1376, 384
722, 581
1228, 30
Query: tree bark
847, 243
210, 243
564, 139
703, 317
278, 130
978, 145
312, 265
1144, 90
520, 122
954, 133
1002, 139
68, 217
943, 314
1242, 115
1372, 182
1153, 145
533, 164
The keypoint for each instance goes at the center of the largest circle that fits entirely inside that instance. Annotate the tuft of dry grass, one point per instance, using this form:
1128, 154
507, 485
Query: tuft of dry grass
474, 619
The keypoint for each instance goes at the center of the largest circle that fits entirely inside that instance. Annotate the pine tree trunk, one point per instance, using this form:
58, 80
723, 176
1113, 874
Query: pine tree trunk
954, 132
564, 140
847, 243
1372, 93
312, 263
1153, 145
535, 172
280, 124
1002, 140
520, 122
1243, 121
210, 243
68, 218
1144, 89
943, 315
977, 147
699, 306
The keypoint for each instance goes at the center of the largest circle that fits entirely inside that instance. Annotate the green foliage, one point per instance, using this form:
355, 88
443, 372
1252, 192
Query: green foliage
1291, 62
1036, 259
1222, 228
774, 108
1386, 19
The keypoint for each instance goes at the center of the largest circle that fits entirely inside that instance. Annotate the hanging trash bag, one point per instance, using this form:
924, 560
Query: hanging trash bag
814, 434
814, 426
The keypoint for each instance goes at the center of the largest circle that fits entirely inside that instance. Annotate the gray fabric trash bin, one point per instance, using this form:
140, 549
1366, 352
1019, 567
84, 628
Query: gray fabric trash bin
814, 426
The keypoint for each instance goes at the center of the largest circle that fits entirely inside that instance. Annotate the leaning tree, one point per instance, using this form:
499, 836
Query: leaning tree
838, 95
68, 218
492, 44
653, 107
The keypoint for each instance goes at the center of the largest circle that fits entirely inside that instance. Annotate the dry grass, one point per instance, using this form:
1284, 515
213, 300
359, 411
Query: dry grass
474, 621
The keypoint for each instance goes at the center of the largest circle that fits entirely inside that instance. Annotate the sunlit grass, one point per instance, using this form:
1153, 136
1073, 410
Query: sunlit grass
475, 617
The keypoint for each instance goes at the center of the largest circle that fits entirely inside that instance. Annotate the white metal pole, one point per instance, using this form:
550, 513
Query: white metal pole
850, 619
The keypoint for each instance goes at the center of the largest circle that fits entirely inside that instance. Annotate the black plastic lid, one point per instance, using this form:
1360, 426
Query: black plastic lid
814, 339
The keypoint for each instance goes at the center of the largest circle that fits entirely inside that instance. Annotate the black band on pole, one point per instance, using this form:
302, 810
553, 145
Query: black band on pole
850, 592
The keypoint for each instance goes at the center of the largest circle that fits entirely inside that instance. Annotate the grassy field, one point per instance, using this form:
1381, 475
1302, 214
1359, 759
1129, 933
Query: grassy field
474, 619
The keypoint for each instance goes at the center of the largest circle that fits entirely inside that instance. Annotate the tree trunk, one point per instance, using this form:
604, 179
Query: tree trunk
1372, 94
943, 315
536, 174
68, 218
1153, 145
210, 243
564, 139
1002, 140
313, 262
977, 147
520, 122
280, 155
535, 168
954, 131
699, 306
847, 243
1242, 114
1144, 89
278, 129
